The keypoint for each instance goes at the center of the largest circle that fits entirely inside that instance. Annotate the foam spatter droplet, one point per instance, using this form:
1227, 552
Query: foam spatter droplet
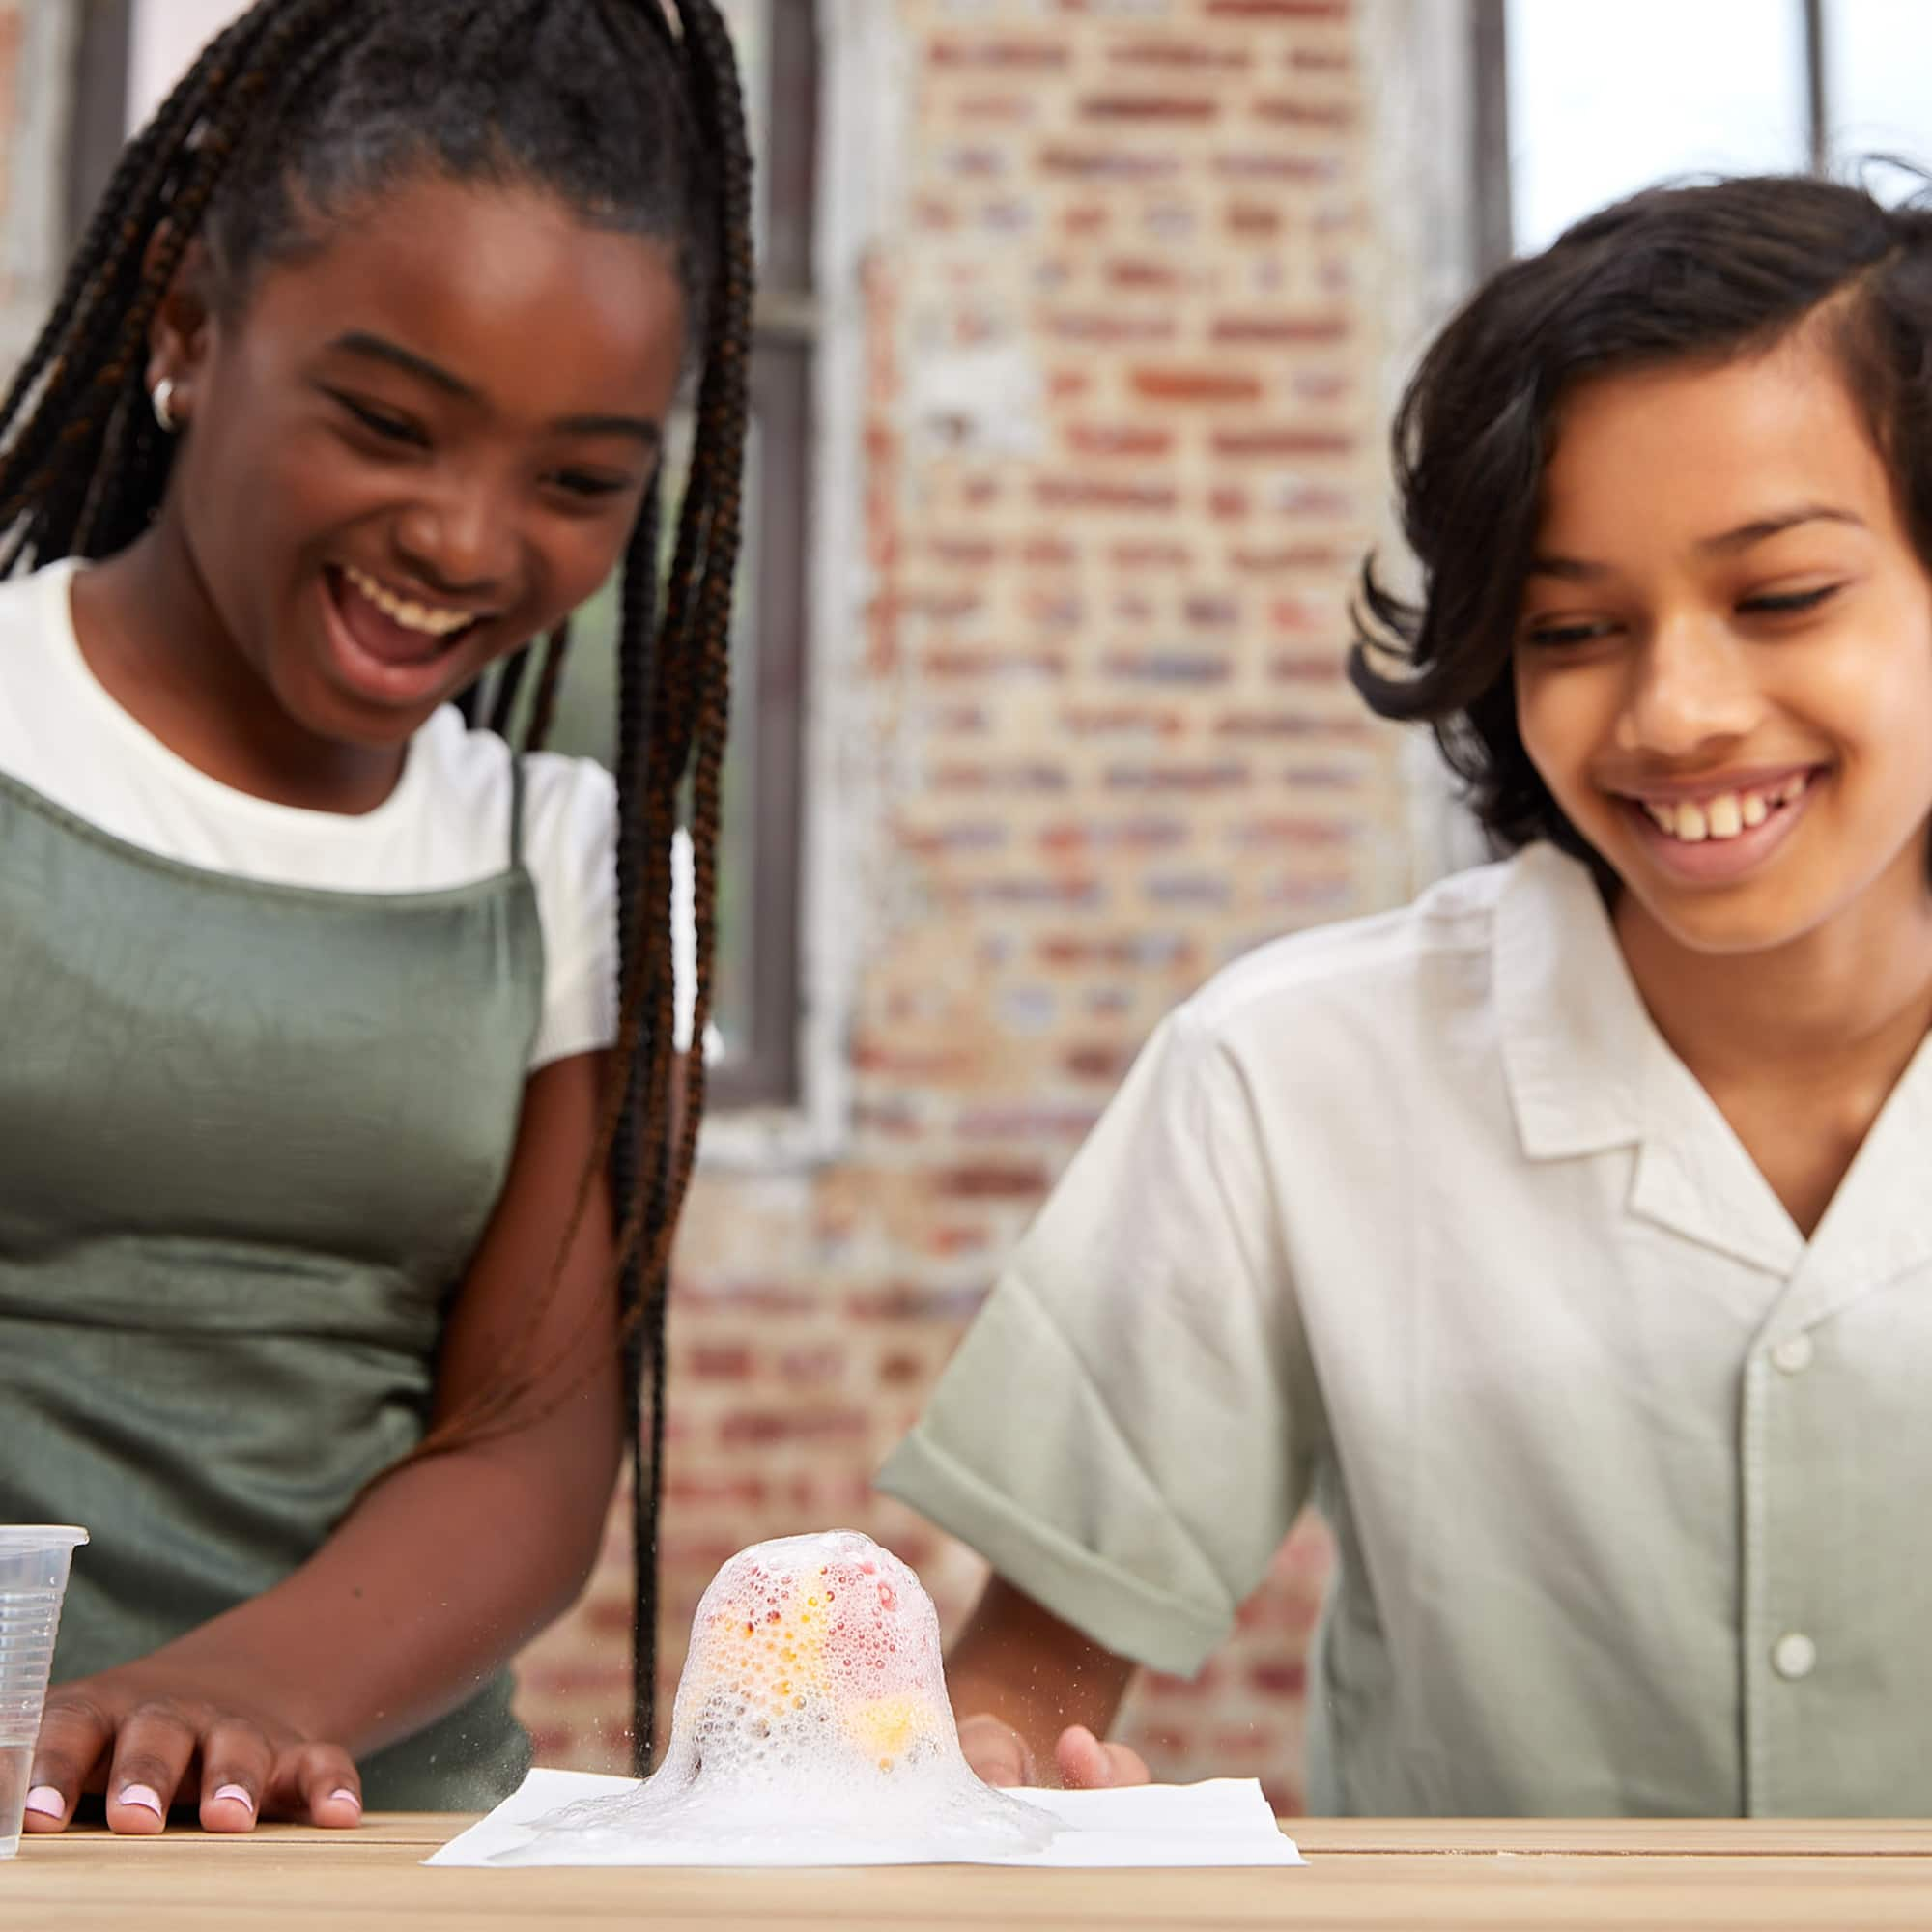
811, 1718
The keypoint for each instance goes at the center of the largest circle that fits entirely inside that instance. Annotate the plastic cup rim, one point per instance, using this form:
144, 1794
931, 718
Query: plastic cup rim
15, 1537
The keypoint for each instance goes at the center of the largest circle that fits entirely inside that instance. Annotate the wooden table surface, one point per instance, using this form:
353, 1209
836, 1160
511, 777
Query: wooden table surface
1400, 1876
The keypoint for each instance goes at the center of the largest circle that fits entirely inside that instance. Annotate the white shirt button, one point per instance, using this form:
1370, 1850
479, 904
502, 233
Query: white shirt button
1794, 1655
1793, 1355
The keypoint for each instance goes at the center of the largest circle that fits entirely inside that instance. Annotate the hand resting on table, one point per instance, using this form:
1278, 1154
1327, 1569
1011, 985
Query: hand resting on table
152, 1734
1000, 1755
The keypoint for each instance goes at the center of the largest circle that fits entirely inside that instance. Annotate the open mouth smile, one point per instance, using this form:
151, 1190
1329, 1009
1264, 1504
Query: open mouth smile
1720, 833
387, 647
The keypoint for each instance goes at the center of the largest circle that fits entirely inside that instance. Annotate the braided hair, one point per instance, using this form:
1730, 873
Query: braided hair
630, 112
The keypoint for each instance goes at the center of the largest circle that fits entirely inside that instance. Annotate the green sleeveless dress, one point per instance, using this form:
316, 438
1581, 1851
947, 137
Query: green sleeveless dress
249, 1137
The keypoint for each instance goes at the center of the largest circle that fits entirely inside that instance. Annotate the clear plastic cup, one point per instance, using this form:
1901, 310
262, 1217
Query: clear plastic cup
33, 1559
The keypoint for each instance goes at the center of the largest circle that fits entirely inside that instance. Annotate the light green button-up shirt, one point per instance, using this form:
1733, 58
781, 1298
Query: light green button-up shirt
1420, 1218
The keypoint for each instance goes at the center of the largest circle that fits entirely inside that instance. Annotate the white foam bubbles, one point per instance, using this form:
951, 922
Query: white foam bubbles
812, 1717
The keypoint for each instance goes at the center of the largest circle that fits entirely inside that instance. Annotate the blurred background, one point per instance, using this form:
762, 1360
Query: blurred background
1082, 324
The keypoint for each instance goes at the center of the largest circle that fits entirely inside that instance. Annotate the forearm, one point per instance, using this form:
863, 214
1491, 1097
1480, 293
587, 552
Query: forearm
1019, 1662
427, 1588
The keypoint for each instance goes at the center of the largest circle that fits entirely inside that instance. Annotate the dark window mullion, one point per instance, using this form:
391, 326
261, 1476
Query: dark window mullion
763, 1071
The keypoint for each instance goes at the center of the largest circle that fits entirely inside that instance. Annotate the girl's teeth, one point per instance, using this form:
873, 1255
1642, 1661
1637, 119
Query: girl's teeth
1723, 816
403, 611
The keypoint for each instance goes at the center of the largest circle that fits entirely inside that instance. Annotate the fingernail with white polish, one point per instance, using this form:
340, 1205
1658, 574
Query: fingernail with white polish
45, 1801
348, 1797
236, 1795
141, 1795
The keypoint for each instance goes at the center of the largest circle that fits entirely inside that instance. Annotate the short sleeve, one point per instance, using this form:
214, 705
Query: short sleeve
570, 845
1124, 1432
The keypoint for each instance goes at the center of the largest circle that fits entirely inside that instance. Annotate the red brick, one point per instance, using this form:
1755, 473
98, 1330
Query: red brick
963, 552
1211, 614
1153, 554
948, 1241
1144, 276
1142, 951
1312, 832
1000, 666
909, 1064
1113, 331
1285, 558
1277, 10
1094, 493
1116, 721
1169, 667
1287, 725
822, 1362
1193, 109
1271, 164
1029, 56
1031, 891
1106, 1064
916, 1301
999, 109
1119, 439
1222, 776
764, 1427
1237, 445
1288, 112
990, 1182
1060, 841
1255, 218
1304, 668
1195, 384
1108, 164
1282, 331
1181, 56
719, 1361
1009, 779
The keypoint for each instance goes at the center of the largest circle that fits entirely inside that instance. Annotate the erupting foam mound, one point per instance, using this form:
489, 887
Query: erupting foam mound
811, 1718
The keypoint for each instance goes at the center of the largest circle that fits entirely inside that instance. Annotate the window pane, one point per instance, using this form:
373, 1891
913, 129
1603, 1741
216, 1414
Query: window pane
1604, 100
1876, 61
585, 726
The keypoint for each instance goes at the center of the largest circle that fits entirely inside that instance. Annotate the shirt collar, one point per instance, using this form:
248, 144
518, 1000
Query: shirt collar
1575, 1034
1587, 1072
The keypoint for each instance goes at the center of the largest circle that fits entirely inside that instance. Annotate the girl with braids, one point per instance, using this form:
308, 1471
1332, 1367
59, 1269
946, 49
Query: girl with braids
1564, 1236
336, 1105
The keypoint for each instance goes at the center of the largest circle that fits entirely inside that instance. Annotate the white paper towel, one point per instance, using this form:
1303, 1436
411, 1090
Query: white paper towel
1223, 1822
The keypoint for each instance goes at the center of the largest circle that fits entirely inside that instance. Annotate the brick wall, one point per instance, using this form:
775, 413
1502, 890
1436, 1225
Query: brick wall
1128, 366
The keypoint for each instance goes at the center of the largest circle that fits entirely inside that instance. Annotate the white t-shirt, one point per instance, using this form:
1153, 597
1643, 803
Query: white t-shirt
1420, 1218
446, 824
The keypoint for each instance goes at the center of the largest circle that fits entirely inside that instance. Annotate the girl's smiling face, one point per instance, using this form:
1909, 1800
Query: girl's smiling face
1723, 667
418, 446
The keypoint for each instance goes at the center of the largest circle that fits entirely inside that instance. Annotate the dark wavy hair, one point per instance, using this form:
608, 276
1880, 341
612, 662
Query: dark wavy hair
1678, 273
630, 112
